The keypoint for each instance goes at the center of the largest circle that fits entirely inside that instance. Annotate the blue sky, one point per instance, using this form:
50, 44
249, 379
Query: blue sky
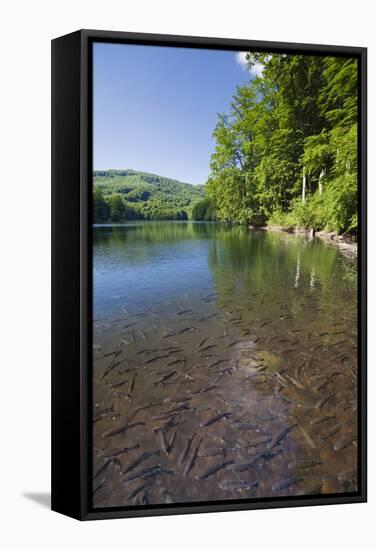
155, 108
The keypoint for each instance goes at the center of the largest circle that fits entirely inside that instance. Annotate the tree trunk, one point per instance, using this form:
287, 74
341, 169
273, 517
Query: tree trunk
304, 185
322, 174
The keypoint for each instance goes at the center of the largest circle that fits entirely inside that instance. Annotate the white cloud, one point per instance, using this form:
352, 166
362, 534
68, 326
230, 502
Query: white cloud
255, 70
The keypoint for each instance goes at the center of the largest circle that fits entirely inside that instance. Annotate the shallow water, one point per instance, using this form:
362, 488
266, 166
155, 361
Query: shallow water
225, 365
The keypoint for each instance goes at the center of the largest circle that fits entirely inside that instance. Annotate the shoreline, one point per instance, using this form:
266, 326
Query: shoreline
348, 247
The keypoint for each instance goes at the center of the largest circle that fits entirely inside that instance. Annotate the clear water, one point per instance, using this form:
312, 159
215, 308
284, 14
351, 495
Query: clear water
242, 342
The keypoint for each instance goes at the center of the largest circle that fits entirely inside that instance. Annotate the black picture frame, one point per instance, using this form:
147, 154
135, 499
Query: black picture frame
72, 265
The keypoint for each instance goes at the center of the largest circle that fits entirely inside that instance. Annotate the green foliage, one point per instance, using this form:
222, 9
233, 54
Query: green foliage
121, 195
309, 214
286, 220
340, 199
101, 210
139, 194
296, 123
204, 210
116, 207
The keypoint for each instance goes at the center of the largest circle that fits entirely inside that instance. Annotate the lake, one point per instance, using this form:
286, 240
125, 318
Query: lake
225, 364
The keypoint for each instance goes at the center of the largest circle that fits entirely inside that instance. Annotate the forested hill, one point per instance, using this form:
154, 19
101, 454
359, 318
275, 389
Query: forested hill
121, 195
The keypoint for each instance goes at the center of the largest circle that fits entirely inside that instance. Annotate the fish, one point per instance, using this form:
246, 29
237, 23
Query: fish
321, 419
331, 432
211, 386
176, 361
301, 464
167, 425
248, 465
138, 490
128, 325
235, 484
132, 384
214, 469
102, 468
187, 329
234, 343
157, 471
147, 351
122, 428
144, 456
153, 359
184, 311
259, 441
255, 461
110, 368
202, 343
184, 454
286, 483
190, 465
181, 407
207, 318
280, 436
215, 418
172, 440
321, 385
323, 401
172, 412
117, 451
180, 399
218, 362
99, 486
115, 353
246, 426
165, 377
104, 414
206, 348
145, 407
164, 444
141, 473
343, 443
118, 384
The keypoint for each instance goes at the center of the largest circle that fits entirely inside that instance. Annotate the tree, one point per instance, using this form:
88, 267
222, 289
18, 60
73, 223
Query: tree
204, 210
117, 208
287, 147
101, 210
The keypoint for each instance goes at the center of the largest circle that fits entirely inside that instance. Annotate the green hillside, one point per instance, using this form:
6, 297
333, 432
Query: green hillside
121, 195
